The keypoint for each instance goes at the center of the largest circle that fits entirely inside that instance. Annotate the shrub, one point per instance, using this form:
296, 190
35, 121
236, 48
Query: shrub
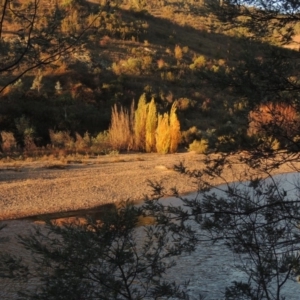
185, 49
120, 130
200, 147
83, 143
198, 63
169, 76
101, 142
190, 135
61, 139
279, 114
104, 41
178, 53
161, 63
146, 62
26, 133
132, 66
29, 144
116, 68
277, 121
226, 143
185, 104
9, 143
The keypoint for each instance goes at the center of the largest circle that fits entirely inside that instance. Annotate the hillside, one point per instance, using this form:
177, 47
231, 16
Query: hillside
171, 51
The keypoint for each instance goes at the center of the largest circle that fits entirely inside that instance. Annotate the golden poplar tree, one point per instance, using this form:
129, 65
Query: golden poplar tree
151, 125
175, 135
140, 117
163, 134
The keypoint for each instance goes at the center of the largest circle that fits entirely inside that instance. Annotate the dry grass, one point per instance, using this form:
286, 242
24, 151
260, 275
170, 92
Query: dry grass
120, 131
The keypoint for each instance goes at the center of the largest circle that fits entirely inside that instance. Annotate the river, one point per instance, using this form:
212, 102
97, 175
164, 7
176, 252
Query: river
212, 268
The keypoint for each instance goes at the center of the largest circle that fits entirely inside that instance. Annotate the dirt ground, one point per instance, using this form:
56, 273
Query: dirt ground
43, 187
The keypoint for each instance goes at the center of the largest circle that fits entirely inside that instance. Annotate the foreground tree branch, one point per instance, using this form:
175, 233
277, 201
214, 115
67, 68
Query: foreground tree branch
30, 39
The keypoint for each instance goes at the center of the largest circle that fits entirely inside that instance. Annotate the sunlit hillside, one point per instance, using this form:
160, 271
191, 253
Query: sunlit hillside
169, 50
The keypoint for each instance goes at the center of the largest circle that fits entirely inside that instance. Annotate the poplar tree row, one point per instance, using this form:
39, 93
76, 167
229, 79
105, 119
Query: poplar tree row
144, 129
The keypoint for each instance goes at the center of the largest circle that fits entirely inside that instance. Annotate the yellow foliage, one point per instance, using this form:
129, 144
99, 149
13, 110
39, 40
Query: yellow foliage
178, 52
199, 147
175, 135
120, 131
140, 118
151, 125
199, 62
144, 128
163, 134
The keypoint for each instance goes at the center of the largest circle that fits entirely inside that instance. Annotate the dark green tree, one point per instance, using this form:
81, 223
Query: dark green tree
110, 258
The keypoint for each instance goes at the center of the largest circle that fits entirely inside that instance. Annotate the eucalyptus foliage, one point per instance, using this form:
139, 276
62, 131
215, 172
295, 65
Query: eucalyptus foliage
111, 258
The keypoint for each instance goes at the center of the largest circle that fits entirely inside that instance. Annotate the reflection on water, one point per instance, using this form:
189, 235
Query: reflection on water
212, 268
95, 213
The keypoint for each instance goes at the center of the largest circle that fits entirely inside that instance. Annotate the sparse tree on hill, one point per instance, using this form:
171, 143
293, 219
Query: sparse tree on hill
178, 53
37, 82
